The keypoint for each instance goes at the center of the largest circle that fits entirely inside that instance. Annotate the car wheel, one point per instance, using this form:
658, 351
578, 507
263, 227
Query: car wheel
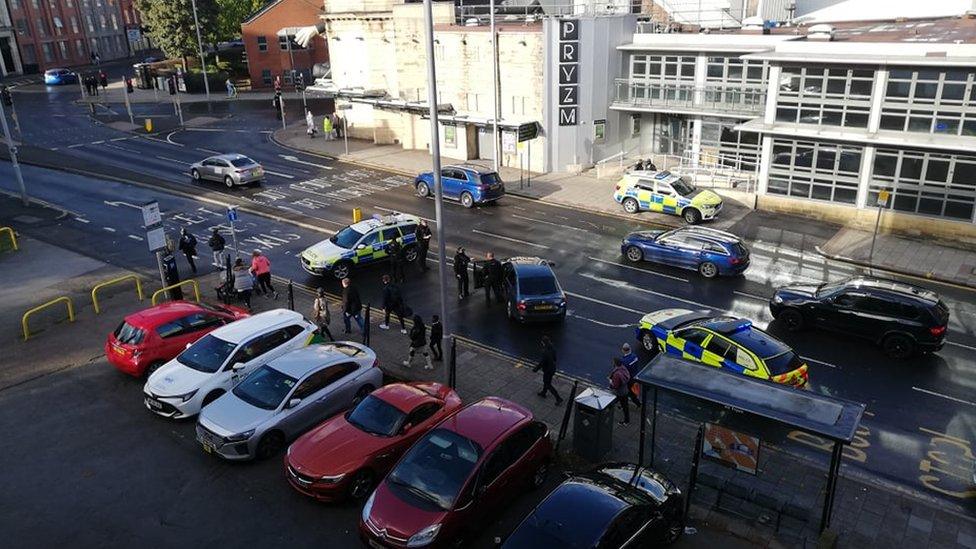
792, 319
361, 484
467, 200
229, 181
649, 342
691, 215
410, 254
195, 174
362, 393
898, 346
540, 475
212, 397
341, 270
423, 190
269, 445
708, 269
634, 254
631, 206
151, 369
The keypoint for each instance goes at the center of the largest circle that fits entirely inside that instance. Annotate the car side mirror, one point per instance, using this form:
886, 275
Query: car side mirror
237, 367
360, 246
293, 402
551, 263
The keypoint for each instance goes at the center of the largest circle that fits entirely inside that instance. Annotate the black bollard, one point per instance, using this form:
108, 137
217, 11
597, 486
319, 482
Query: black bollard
291, 296
564, 426
452, 374
366, 327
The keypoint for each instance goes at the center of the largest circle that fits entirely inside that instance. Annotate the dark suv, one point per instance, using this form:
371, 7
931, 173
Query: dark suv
900, 317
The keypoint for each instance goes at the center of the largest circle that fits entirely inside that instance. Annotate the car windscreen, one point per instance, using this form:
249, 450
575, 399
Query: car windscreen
682, 186
436, 467
376, 416
265, 388
127, 334
346, 238
783, 363
537, 285
242, 161
206, 355
490, 178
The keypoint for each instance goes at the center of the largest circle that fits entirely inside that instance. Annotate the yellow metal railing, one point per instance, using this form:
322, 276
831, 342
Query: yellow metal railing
94, 292
71, 313
13, 236
196, 290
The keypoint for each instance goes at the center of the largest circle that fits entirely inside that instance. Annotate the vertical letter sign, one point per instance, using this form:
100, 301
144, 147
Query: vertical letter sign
568, 89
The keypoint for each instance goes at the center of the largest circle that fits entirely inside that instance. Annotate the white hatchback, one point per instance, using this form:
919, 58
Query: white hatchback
219, 360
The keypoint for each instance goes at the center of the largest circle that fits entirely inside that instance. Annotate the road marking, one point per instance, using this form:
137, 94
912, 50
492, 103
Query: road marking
597, 322
118, 203
944, 435
160, 140
295, 159
97, 142
751, 296
638, 269
808, 359
109, 229
135, 237
486, 233
119, 139
947, 397
608, 304
172, 160
279, 174
382, 209
211, 151
126, 149
82, 220
76, 145
534, 220
628, 286
953, 343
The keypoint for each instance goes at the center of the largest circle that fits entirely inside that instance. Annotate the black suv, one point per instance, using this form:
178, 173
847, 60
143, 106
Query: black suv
900, 317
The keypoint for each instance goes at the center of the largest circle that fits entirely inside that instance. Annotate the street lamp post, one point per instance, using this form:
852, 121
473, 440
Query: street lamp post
494, 87
435, 150
13, 155
203, 62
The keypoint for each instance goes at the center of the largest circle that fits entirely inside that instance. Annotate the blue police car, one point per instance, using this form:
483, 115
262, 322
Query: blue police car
531, 290
710, 252
467, 184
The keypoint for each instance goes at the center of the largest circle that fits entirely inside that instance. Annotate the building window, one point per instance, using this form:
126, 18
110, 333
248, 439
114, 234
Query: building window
41, 27
48, 51
635, 125
818, 171
930, 101
23, 28
663, 68
80, 47
941, 185
266, 77
825, 96
102, 24
450, 136
63, 46
723, 147
70, 3
91, 26
15, 4
58, 25
284, 42
30, 54
736, 71
262, 43
37, 4
74, 24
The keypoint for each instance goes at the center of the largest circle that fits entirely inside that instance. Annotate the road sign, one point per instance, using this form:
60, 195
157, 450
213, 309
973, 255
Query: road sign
883, 198
156, 239
231, 214
151, 215
527, 132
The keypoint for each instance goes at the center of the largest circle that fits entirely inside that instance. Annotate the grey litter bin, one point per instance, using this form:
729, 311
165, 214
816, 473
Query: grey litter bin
593, 426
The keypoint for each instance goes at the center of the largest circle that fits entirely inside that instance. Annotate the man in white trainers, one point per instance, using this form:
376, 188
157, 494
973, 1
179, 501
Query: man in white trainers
392, 303
418, 340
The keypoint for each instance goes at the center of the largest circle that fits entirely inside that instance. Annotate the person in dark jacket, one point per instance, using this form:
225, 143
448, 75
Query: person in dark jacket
395, 251
493, 278
352, 305
392, 303
619, 379
418, 340
436, 335
461, 261
103, 80
217, 245
632, 363
547, 363
423, 244
188, 245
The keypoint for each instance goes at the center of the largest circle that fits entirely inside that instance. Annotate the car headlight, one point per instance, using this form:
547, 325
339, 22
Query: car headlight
424, 537
240, 437
331, 479
777, 299
368, 507
182, 398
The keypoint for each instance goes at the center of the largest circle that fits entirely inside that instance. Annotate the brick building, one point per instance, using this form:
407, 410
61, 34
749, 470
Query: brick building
9, 56
137, 39
270, 52
64, 33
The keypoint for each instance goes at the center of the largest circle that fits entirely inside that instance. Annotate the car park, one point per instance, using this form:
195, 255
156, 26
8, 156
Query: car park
147, 339
458, 476
468, 184
902, 318
216, 362
729, 343
347, 454
285, 397
666, 192
230, 169
710, 252
58, 77
532, 291
617, 505
362, 243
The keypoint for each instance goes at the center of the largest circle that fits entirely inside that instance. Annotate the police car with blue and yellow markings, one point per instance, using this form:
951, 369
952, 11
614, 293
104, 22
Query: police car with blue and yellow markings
667, 193
723, 342
362, 243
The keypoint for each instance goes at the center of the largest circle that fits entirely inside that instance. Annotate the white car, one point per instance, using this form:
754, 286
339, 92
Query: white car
219, 360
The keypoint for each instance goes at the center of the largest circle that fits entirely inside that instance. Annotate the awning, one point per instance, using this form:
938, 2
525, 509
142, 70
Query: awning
288, 31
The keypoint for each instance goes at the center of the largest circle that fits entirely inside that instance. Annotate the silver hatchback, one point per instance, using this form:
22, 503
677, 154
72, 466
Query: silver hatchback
285, 397
231, 169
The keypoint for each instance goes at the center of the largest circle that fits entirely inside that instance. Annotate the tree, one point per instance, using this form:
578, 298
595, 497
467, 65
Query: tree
171, 24
231, 14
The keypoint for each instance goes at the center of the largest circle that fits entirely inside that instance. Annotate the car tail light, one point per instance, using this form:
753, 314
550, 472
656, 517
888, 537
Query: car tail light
735, 260
521, 305
937, 331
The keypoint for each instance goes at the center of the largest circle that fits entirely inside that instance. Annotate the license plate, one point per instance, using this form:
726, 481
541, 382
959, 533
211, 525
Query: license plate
375, 545
544, 307
118, 350
154, 404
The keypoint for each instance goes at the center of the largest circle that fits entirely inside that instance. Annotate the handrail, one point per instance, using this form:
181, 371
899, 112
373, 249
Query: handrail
609, 158
94, 292
194, 283
23, 319
13, 236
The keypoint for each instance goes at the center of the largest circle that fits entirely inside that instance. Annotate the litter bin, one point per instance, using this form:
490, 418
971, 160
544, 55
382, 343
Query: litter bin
143, 76
593, 425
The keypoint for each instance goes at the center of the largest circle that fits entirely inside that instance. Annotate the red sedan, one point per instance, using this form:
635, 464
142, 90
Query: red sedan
344, 456
148, 339
457, 477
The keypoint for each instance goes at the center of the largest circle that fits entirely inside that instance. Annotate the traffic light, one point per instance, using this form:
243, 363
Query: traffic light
128, 85
300, 82
171, 85
8, 100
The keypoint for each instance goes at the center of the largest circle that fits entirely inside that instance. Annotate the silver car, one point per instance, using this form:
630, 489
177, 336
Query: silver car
232, 169
285, 397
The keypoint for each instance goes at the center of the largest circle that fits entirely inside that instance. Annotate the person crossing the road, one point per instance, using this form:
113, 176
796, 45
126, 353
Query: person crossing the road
631, 361
461, 261
423, 244
436, 335
392, 303
310, 123
395, 251
619, 379
188, 245
243, 283
547, 363
493, 278
320, 314
261, 267
352, 306
217, 245
418, 340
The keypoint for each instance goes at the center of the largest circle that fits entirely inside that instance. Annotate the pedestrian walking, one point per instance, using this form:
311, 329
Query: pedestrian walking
309, 123
340, 126
631, 361
418, 340
395, 251
352, 306
620, 383
320, 314
217, 245
243, 283
231, 88
98, 58
392, 303
188, 245
261, 267
423, 244
327, 127
493, 278
436, 335
277, 84
103, 80
547, 363
276, 103
461, 261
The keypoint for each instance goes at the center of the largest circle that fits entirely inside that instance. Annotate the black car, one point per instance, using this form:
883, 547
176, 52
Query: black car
608, 507
900, 317
531, 290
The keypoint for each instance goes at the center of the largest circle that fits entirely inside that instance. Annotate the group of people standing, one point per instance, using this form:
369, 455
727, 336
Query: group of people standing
333, 125
93, 81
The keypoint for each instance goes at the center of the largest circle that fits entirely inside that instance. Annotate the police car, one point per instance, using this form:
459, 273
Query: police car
723, 342
362, 243
667, 193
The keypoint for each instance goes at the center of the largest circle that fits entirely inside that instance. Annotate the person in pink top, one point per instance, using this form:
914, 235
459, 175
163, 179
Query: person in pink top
620, 383
261, 267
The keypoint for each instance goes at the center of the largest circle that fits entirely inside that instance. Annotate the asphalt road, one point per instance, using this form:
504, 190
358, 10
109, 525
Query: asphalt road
909, 403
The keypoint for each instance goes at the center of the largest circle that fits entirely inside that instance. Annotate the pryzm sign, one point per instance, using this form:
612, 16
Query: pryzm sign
568, 72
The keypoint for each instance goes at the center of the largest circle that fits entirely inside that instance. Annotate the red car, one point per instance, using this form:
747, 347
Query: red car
148, 339
344, 456
457, 477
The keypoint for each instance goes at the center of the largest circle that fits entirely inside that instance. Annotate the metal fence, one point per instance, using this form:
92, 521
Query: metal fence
636, 94
530, 11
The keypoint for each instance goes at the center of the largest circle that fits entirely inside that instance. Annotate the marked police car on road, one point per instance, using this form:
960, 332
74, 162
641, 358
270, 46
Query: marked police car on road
667, 193
362, 243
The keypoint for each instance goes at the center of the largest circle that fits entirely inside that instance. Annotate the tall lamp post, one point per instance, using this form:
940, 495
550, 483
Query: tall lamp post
203, 62
494, 87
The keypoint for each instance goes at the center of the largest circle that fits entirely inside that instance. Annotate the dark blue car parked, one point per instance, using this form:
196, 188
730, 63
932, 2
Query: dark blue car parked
469, 185
710, 252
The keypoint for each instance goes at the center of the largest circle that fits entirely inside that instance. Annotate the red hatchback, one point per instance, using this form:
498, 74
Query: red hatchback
458, 476
345, 455
148, 339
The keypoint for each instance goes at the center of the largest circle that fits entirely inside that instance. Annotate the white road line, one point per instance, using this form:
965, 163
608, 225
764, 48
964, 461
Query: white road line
126, 149
97, 142
534, 220
161, 140
954, 344
808, 359
172, 160
510, 239
82, 220
751, 296
119, 139
109, 229
628, 286
76, 145
292, 158
608, 304
279, 174
382, 209
135, 237
947, 397
638, 269
211, 151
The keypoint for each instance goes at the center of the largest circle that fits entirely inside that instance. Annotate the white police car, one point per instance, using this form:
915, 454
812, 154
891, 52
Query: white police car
360, 244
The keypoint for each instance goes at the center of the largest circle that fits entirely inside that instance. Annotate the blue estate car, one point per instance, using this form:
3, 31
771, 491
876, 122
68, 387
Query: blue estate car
469, 185
531, 290
708, 251
56, 77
